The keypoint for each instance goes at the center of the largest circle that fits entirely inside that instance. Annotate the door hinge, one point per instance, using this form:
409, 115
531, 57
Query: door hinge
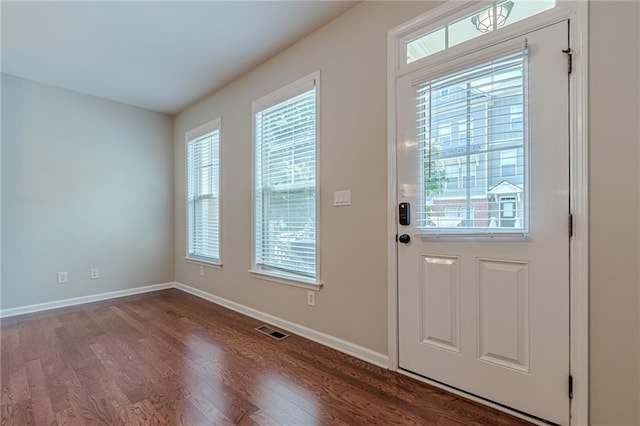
570, 386
569, 53
570, 225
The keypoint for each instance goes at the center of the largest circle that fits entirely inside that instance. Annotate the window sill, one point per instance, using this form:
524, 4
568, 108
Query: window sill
203, 263
284, 279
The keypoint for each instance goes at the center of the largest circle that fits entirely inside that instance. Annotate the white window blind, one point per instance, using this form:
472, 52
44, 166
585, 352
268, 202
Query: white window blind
285, 185
488, 163
203, 195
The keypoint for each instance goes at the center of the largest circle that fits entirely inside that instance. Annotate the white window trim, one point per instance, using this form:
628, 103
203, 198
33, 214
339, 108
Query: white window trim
293, 89
578, 14
211, 126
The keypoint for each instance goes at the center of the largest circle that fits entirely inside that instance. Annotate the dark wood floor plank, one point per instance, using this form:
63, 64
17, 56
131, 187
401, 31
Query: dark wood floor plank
6, 414
85, 409
5, 371
29, 332
79, 333
117, 404
215, 406
359, 374
169, 358
161, 376
223, 396
139, 384
143, 413
116, 367
378, 392
263, 419
250, 358
54, 365
343, 398
42, 409
203, 355
18, 384
341, 392
69, 417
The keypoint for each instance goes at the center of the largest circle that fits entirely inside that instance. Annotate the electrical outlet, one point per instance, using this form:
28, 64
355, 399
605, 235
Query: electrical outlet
94, 273
63, 278
202, 271
311, 298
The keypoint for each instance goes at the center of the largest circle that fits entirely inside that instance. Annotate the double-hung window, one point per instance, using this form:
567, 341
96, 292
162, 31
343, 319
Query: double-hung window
285, 125
203, 193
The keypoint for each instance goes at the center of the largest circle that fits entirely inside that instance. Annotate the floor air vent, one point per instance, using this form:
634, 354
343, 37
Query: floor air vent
278, 335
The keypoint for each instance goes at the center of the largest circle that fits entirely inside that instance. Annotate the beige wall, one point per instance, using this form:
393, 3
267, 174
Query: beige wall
350, 53
85, 182
614, 231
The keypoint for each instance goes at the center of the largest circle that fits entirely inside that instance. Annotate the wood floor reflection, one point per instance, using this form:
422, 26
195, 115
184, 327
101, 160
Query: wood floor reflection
169, 358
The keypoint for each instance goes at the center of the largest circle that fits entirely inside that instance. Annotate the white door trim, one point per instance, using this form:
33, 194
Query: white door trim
578, 14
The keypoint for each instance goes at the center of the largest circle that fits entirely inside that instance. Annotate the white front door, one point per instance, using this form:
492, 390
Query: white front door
483, 161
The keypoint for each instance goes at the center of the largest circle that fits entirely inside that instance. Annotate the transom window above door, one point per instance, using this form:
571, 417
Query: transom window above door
468, 25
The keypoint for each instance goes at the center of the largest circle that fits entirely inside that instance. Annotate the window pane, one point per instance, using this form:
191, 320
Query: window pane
480, 178
525, 8
203, 185
465, 29
285, 212
426, 45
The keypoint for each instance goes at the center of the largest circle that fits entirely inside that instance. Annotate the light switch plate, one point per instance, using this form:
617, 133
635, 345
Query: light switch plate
342, 198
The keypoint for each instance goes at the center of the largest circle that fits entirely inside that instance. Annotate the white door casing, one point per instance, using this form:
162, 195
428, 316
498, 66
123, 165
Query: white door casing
490, 316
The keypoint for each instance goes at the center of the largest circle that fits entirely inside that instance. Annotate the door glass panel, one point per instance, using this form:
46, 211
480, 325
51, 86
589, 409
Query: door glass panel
472, 155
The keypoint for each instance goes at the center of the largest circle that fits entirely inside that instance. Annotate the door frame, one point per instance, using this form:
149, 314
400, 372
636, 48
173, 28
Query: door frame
577, 12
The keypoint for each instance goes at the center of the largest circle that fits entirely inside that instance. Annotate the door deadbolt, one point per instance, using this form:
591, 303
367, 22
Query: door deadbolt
404, 213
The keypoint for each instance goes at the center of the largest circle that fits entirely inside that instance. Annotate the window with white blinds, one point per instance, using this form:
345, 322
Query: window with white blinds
203, 193
472, 147
285, 225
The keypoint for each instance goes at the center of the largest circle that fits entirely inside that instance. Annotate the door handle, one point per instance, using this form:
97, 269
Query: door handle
404, 238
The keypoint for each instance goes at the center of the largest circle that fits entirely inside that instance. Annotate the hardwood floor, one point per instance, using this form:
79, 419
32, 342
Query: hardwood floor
169, 358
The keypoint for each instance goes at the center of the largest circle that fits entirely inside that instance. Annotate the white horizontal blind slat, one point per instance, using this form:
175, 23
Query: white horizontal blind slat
203, 196
285, 186
471, 132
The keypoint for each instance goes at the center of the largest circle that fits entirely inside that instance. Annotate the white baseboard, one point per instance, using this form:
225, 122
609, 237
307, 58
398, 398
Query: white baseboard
360, 352
5, 313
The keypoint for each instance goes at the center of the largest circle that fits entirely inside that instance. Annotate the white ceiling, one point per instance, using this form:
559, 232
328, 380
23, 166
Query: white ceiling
161, 56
